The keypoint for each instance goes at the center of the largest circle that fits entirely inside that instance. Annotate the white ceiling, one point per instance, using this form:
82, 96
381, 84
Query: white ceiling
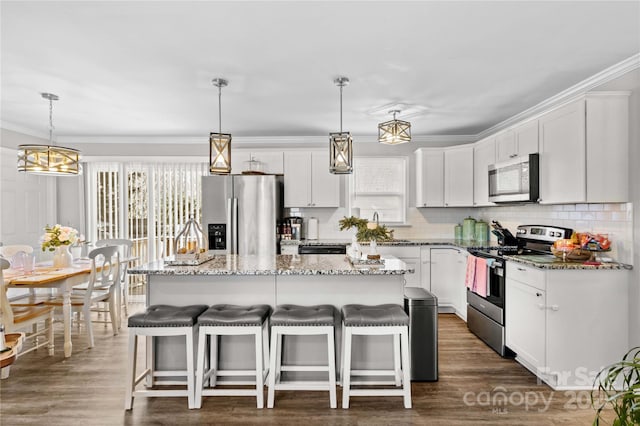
143, 68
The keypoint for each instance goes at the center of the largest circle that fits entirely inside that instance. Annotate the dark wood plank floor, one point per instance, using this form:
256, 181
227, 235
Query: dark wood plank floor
88, 389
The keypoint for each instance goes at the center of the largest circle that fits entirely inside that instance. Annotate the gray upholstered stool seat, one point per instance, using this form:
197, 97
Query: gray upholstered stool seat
234, 315
298, 320
157, 321
378, 315
231, 320
296, 315
376, 320
167, 316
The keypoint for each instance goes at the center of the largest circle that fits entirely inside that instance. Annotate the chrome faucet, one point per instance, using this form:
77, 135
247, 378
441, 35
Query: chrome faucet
375, 218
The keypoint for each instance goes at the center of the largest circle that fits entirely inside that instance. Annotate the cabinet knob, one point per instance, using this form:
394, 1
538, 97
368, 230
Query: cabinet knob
555, 308
538, 294
513, 155
541, 306
424, 205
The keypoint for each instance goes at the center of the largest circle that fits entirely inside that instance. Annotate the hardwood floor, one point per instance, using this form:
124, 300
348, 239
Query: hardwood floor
88, 389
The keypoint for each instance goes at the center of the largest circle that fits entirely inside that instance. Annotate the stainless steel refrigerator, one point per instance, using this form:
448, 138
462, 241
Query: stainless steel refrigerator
241, 213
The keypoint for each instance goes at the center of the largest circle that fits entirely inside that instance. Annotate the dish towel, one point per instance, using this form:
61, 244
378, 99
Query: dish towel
480, 284
470, 276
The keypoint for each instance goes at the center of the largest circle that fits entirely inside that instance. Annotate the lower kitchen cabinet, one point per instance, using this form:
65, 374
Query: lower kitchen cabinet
447, 273
566, 324
409, 255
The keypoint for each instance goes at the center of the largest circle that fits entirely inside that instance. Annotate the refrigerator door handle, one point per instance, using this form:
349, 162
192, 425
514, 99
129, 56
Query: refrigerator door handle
229, 225
234, 229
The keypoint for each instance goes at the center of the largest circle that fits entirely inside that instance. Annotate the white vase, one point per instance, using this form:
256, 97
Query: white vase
62, 258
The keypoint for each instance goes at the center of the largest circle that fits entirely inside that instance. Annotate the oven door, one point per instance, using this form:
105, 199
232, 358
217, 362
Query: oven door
493, 304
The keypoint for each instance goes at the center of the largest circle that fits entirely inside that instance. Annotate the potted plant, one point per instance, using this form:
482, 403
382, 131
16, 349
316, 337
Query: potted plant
366, 231
618, 386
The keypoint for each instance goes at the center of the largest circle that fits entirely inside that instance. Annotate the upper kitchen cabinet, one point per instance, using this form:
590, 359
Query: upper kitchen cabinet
429, 177
607, 147
484, 154
458, 176
580, 145
518, 141
272, 162
307, 181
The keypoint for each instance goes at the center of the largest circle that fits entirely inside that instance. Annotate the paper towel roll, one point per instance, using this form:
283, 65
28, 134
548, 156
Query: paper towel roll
312, 229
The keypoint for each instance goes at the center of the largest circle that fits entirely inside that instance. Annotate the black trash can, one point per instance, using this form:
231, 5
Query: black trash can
422, 308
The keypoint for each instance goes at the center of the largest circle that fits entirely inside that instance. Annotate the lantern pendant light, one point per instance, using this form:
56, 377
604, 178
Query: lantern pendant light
49, 159
341, 143
220, 143
394, 132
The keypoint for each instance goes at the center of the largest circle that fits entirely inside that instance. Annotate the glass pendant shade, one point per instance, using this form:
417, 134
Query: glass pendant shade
394, 132
220, 153
340, 153
48, 160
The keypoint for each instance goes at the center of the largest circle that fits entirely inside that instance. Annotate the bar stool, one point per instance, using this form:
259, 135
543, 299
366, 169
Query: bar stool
231, 320
156, 321
302, 320
377, 320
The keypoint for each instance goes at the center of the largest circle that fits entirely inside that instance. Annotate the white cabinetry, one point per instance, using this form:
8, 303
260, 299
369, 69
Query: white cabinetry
307, 181
484, 154
518, 141
583, 150
429, 177
448, 268
564, 325
562, 155
458, 176
409, 255
272, 161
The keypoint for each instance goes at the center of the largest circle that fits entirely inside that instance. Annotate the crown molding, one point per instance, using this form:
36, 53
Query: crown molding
567, 95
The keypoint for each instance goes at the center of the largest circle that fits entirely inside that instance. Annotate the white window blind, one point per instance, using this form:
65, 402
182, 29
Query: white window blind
380, 185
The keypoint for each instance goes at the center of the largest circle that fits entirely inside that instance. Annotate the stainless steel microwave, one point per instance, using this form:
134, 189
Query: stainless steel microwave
515, 180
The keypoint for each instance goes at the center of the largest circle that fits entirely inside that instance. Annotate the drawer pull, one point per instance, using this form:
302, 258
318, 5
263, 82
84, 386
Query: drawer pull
521, 269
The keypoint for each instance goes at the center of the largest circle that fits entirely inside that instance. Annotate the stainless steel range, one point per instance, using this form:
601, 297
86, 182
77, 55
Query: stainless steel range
485, 313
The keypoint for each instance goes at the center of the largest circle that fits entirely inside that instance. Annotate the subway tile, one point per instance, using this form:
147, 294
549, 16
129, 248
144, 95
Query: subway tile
588, 216
563, 215
582, 207
575, 215
596, 207
603, 216
569, 207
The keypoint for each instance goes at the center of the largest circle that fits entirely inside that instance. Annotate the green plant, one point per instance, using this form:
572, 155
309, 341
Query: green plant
365, 231
618, 386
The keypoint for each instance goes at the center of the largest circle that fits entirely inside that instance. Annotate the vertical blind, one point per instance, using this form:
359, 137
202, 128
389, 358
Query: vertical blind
146, 203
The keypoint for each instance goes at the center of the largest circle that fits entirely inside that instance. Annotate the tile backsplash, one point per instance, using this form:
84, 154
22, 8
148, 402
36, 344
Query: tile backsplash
613, 219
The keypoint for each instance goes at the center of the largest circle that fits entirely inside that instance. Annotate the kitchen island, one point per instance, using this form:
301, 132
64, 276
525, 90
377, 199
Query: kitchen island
276, 280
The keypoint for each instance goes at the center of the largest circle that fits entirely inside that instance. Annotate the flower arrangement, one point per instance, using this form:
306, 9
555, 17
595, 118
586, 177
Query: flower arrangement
366, 231
58, 235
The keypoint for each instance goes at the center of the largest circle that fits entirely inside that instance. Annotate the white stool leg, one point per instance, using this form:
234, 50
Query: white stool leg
259, 368
346, 368
331, 356
131, 369
406, 367
265, 349
396, 359
342, 354
272, 367
278, 370
200, 370
213, 359
190, 370
151, 362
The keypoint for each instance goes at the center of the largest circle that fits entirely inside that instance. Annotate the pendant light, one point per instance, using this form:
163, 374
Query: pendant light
394, 132
220, 143
49, 159
340, 144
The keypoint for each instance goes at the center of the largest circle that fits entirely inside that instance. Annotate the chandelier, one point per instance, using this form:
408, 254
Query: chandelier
49, 159
394, 132
220, 143
340, 143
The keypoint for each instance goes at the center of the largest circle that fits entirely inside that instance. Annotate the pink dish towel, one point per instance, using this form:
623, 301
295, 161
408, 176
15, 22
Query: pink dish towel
470, 277
480, 286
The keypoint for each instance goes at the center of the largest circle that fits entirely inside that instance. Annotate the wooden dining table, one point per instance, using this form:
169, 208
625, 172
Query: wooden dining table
63, 280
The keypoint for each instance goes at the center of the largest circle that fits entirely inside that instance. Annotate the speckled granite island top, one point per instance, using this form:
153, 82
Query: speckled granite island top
276, 265
401, 243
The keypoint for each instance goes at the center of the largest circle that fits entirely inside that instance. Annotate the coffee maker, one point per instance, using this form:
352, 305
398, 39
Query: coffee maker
295, 222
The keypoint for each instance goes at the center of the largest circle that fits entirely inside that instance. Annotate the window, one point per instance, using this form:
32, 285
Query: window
150, 206
380, 185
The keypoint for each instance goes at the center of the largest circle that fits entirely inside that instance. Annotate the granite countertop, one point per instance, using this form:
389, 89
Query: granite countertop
276, 265
552, 262
401, 243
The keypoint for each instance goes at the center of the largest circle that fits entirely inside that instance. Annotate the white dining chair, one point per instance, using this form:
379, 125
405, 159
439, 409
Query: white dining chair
124, 246
101, 287
26, 319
